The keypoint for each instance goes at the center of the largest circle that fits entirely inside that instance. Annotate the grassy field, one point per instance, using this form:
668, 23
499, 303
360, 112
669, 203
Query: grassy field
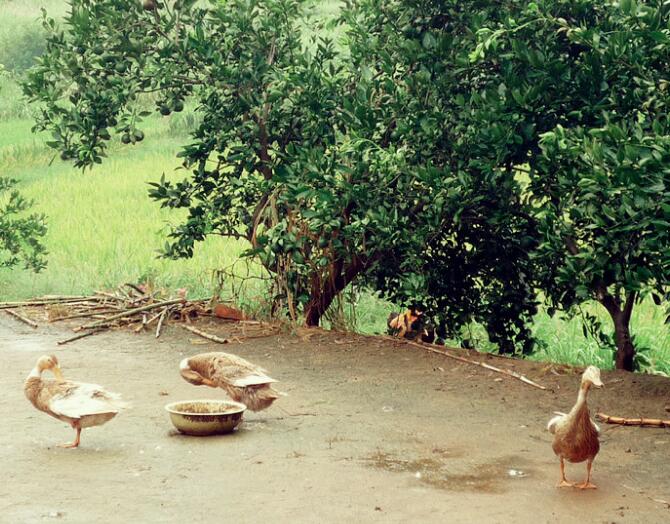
104, 230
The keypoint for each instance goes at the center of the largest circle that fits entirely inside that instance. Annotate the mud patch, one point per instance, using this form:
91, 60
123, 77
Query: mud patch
489, 477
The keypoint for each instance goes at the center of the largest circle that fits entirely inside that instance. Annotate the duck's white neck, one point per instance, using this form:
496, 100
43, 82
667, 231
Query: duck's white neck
35, 373
581, 397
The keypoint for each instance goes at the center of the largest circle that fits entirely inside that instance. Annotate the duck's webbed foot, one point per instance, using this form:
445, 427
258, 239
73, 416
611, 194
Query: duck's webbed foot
564, 483
587, 484
74, 444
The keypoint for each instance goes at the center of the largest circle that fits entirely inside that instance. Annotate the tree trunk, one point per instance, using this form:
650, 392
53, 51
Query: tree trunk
625, 350
322, 297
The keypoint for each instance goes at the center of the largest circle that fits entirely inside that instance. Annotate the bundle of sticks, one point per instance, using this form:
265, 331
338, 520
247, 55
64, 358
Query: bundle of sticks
131, 305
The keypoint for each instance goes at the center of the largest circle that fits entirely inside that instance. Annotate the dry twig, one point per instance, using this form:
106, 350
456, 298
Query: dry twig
160, 320
484, 365
44, 302
655, 422
208, 336
84, 315
21, 318
80, 335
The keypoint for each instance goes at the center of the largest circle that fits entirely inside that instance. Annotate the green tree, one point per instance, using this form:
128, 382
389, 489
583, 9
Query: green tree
299, 149
591, 78
464, 254
19, 234
455, 155
552, 117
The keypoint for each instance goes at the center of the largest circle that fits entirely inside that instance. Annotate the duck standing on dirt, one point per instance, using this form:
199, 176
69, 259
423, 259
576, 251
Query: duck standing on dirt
575, 434
80, 405
243, 381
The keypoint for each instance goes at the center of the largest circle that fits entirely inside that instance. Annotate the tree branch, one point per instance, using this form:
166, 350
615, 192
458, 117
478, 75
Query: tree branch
628, 306
603, 296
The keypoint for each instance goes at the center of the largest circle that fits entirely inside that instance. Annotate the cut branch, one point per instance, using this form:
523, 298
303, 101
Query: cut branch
206, 335
45, 301
160, 320
21, 318
80, 335
484, 365
655, 422
84, 315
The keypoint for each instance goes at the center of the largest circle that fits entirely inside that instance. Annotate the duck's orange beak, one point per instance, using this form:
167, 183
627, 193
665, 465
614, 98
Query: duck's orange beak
58, 373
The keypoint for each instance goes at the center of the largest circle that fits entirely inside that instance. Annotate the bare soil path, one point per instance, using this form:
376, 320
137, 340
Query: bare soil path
386, 433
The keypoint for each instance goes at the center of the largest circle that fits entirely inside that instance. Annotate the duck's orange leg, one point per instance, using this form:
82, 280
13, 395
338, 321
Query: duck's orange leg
208, 382
564, 482
74, 444
587, 483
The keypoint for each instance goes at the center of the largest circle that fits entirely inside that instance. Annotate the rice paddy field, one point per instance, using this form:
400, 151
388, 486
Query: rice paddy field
104, 230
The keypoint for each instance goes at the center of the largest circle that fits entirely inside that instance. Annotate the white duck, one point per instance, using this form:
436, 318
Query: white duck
243, 381
575, 434
80, 405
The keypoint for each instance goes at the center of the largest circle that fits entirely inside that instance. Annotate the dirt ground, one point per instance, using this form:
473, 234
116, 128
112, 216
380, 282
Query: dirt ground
379, 432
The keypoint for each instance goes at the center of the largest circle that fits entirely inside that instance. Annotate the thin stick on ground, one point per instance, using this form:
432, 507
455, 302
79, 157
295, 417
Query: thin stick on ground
154, 318
642, 421
80, 335
484, 365
44, 302
21, 318
163, 314
143, 325
84, 315
206, 335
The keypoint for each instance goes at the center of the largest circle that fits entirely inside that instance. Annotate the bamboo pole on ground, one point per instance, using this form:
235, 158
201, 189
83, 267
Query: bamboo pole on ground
641, 421
206, 335
484, 365
21, 318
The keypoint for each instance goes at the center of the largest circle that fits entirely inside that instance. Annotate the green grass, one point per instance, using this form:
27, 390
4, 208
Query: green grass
104, 230
563, 341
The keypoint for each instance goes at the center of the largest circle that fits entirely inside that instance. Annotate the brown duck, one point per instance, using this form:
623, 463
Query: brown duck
240, 379
575, 434
80, 405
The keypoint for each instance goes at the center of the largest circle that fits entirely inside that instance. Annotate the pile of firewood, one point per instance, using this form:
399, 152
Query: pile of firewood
130, 305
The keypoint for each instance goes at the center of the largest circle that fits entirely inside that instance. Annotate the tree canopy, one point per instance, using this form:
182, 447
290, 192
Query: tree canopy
455, 155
